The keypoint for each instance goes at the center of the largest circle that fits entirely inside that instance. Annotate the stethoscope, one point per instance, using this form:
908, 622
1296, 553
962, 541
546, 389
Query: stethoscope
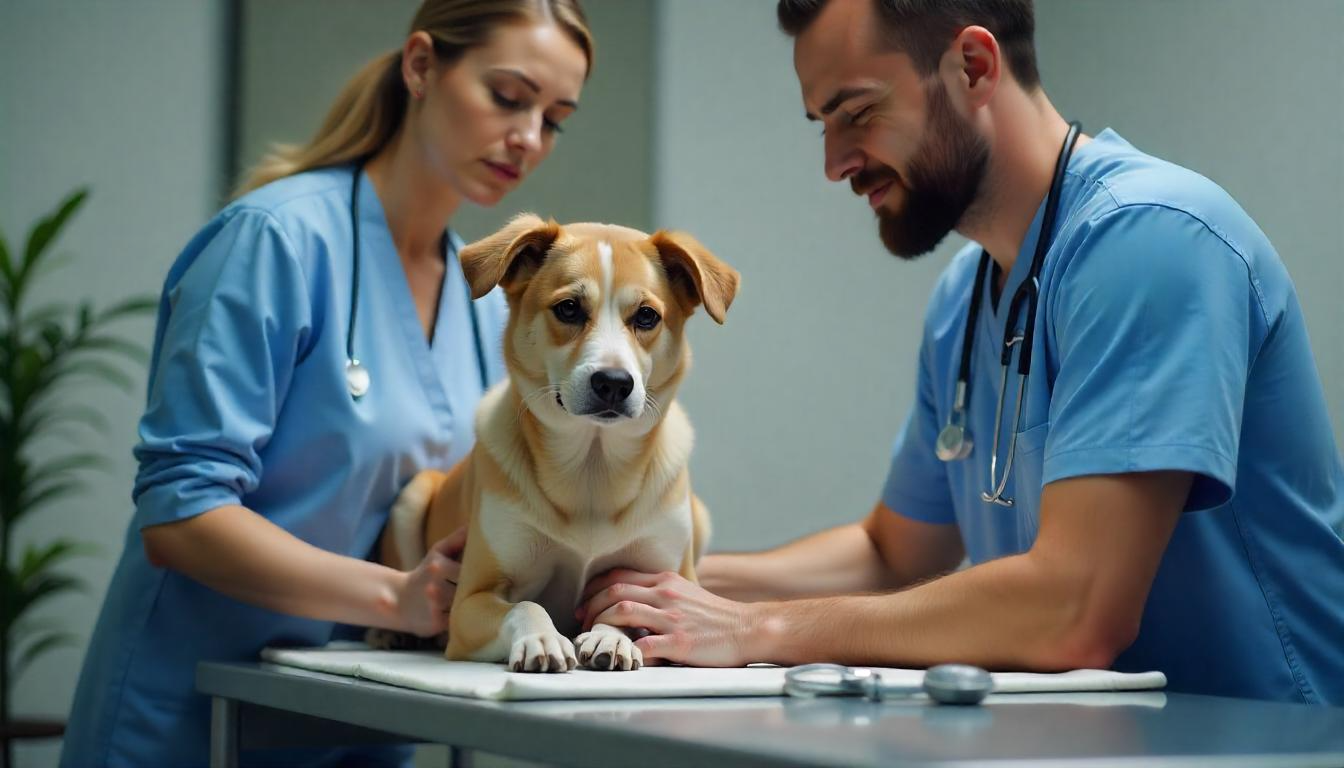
945, 683
954, 440
357, 376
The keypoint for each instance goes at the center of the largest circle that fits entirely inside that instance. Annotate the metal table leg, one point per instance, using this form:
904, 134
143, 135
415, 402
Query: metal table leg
223, 733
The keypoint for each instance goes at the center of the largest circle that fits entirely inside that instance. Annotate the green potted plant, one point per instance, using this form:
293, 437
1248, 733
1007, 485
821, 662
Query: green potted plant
42, 351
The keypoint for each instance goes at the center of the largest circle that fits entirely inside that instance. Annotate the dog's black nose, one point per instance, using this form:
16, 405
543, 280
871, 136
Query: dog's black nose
612, 385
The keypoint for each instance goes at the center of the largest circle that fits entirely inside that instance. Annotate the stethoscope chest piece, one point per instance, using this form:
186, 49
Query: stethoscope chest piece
954, 444
357, 378
945, 683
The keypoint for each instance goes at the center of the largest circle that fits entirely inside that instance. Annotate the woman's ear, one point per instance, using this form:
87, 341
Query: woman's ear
510, 256
696, 274
417, 60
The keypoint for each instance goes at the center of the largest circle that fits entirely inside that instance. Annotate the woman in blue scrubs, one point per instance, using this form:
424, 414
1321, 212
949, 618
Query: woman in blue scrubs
266, 464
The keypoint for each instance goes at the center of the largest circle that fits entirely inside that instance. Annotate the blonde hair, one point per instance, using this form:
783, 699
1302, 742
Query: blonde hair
371, 107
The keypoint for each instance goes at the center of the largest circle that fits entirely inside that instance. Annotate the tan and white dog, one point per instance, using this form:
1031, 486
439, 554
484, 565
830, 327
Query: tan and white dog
581, 457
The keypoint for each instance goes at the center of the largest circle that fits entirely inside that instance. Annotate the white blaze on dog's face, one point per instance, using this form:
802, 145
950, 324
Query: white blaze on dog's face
597, 313
596, 323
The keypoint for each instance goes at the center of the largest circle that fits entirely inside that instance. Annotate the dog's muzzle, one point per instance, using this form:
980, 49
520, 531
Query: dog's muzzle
610, 388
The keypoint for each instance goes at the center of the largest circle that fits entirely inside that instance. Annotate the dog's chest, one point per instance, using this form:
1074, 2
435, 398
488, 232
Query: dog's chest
551, 564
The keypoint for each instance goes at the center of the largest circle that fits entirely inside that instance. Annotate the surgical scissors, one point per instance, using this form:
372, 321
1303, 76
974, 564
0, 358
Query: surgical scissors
945, 683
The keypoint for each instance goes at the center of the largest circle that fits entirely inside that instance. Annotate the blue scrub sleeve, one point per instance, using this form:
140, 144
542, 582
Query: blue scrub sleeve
1154, 326
231, 329
917, 484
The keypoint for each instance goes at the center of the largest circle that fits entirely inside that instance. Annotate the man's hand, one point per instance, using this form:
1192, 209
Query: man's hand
688, 624
427, 592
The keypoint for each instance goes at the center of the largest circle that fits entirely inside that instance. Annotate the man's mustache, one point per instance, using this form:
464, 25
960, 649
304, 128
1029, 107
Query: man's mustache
868, 179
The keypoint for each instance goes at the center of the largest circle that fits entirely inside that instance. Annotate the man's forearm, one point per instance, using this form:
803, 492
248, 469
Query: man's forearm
1006, 614
836, 561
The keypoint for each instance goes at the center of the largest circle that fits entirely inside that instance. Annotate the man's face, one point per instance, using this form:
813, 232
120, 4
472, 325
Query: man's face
892, 134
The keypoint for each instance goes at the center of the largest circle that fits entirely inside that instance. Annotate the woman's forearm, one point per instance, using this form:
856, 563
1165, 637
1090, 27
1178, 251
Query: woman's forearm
239, 553
841, 560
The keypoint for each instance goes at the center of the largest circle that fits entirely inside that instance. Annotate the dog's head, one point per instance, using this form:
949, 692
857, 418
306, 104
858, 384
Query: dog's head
597, 312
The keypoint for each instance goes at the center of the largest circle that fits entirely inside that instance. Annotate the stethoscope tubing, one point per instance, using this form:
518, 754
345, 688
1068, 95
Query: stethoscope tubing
449, 249
954, 440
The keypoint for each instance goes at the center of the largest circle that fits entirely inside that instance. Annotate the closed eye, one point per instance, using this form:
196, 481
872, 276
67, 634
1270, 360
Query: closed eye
857, 117
505, 101
514, 105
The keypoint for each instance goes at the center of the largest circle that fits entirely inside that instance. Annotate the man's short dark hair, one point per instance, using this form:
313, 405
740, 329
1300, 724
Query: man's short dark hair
923, 28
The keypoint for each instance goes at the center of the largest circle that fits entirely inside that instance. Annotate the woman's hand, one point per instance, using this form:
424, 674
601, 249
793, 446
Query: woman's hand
426, 593
688, 624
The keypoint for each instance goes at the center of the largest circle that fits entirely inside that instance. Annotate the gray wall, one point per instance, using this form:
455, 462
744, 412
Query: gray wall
125, 98
796, 400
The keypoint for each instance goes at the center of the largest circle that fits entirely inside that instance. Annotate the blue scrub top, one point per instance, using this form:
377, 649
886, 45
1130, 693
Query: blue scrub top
248, 404
1168, 337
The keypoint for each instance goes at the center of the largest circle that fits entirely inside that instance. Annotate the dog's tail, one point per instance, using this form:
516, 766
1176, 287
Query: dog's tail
406, 522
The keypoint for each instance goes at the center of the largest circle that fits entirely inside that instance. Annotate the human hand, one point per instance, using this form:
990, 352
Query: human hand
426, 594
687, 623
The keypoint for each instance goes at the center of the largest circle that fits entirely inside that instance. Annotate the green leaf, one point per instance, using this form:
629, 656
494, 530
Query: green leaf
47, 642
34, 497
52, 472
143, 304
34, 591
47, 229
6, 265
47, 314
42, 416
33, 625
129, 349
53, 468
99, 370
53, 335
39, 558
50, 264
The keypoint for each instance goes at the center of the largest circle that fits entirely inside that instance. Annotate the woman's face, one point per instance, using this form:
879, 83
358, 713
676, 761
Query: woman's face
485, 121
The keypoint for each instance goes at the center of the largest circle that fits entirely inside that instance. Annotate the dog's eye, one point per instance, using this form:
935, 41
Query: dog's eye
569, 311
646, 318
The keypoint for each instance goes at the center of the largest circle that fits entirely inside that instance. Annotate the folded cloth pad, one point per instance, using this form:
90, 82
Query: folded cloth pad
429, 671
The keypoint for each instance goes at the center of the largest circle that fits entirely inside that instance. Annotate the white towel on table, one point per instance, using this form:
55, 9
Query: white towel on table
429, 671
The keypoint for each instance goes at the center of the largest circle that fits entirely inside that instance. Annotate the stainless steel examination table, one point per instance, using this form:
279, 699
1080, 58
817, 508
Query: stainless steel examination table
262, 705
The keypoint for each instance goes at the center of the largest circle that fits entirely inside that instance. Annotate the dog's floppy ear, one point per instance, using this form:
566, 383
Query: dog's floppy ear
511, 254
696, 272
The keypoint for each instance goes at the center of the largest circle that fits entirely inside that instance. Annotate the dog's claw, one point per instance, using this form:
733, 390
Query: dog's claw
542, 652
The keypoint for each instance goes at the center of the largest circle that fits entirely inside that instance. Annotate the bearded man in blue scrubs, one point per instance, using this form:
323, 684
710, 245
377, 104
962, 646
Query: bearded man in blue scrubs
1174, 492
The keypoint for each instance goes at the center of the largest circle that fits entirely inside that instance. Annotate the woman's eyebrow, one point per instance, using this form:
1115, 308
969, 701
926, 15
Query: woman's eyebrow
530, 83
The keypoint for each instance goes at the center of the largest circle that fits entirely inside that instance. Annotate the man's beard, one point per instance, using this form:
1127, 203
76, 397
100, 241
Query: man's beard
944, 179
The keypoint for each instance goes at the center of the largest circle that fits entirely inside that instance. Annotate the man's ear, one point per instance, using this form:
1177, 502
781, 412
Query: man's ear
696, 273
973, 66
510, 256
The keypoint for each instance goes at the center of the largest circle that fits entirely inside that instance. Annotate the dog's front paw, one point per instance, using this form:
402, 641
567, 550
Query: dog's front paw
608, 649
542, 652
